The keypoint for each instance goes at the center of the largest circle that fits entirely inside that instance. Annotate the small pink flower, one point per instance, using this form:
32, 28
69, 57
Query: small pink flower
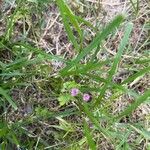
86, 97
74, 92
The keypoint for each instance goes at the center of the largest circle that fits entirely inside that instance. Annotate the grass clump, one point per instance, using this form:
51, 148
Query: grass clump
69, 91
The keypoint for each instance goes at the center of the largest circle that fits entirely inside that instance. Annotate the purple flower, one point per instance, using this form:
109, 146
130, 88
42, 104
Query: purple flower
86, 97
74, 92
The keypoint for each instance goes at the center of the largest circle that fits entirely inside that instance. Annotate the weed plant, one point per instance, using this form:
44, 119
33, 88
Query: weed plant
71, 108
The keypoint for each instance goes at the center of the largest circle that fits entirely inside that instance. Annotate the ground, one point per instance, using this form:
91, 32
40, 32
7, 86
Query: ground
34, 83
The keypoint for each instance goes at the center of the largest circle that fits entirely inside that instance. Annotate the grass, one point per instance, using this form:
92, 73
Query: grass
40, 66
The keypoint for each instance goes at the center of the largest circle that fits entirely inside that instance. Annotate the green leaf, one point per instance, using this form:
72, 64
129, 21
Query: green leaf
67, 15
67, 112
8, 98
117, 58
33, 1
70, 84
142, 61
64, 99
84, 69
96, 41
135, 104
12, 74
92, 118
64, 125
11, 21
13, 138
112, 85
142, 131
2, 65
89, 137
136, 75
43, 55
82, 20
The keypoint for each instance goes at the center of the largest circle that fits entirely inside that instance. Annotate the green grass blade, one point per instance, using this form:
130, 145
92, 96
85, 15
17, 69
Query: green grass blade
135, 104
96, 41
133, 5
66, 14
121, 47
11, 21
142, 61
113, 85
11, 74
23, 62
8, 98
89, 137
87, 23
141, 131
84, 69
104, 132
136, 75
42, 53
2, 64
17, 62
71, 16
113, 69
66, 113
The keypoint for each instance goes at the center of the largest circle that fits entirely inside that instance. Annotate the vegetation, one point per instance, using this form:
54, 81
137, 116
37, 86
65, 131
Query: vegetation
71, 83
